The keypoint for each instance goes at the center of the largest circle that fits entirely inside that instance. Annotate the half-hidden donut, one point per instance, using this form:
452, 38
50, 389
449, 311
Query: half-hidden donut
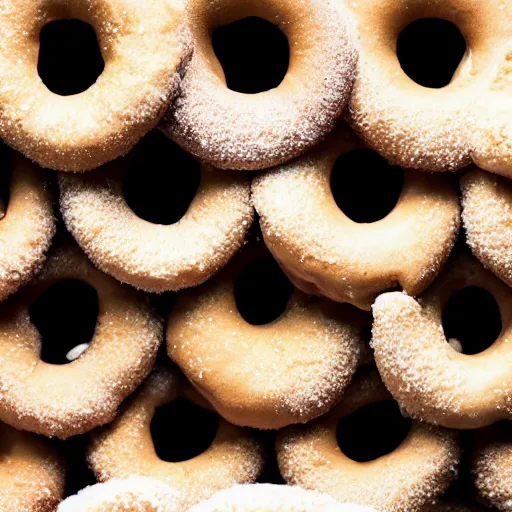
231, 130
156, 257
430, 380
144, 46
26, 226
273, 498
325, 252
67, 400
31, 473
285, 370
411, 476
234, 456
487, 216
133, 494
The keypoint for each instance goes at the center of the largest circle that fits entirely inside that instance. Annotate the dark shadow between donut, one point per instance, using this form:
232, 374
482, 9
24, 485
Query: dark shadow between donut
5, 178
372, 431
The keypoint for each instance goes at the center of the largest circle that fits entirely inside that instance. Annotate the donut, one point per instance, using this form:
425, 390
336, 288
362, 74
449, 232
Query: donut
273, 498
490, 465
406, 479
231, 130
430, 380
156, 257
432, 129
133, 494
235, 456
145, 47
487, 217
27, 225
324, 252
31, 472
290, 370
64, 401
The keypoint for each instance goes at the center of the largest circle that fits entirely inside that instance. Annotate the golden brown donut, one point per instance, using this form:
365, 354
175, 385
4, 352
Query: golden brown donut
432, 381
290, 370
26, 227
67, 400
156, 257
144, 46
324, 252
31, 473
406, 479
231, 130
235, 456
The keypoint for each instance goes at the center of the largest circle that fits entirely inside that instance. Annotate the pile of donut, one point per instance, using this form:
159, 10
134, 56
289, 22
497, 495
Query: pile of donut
317, 343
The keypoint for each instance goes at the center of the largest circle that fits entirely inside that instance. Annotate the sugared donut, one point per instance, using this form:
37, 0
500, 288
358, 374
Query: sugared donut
26, 226
63, 401
487, 216
435, 128
232, 130
411, 476
234, 456
133, 494
325, 252
491, 465
290, 370
431, 380
144, 46
156, 257
273, 498
31, 473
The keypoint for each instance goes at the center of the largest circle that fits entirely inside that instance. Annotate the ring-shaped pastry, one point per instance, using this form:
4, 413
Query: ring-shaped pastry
413, 475
324, 252
67, 400
144, 46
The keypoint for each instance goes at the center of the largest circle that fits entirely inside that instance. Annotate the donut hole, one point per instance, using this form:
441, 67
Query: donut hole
181, 430
65, 315
365, 186
262, 291
70, 59
471, 320
372, 431
253, 53
161, 180
430, 50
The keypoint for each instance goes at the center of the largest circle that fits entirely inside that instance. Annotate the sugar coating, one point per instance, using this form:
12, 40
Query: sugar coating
126, 448
239, 131
326, 253
156, 258
272, 498
72, 399
409, 478
487, 216
430, 380
145, 46
133, 494
288, 371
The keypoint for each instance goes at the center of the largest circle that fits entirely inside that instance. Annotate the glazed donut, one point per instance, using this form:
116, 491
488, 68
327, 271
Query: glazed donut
290, 370
231, 130
235, 456
431, 380
413, 475
487, 217
26, 227
31, 472
133, 494
144, 45
273, 498
324, 252
156, 257
68, 400
435, 129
